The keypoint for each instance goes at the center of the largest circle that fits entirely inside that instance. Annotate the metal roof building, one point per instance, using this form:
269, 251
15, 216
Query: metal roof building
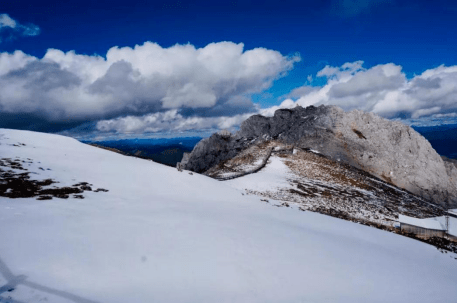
429, 227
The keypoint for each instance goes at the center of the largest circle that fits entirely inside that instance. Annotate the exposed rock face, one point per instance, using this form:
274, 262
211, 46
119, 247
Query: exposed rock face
451, 169
387, 149
212, 150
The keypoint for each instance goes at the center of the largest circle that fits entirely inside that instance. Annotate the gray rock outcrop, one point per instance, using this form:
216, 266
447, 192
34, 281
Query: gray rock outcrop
387, 149
213, 150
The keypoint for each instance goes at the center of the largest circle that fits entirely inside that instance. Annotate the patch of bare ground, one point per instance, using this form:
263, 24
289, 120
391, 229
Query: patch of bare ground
319, 176
15, 184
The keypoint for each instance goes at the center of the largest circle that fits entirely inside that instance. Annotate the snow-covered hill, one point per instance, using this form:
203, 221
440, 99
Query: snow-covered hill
160, 235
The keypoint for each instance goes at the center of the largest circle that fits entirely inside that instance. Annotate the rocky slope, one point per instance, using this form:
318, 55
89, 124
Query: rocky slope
314, 182
388, 150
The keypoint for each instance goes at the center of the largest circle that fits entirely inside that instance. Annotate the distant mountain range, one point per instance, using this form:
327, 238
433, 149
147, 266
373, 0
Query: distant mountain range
167, 151
443, 138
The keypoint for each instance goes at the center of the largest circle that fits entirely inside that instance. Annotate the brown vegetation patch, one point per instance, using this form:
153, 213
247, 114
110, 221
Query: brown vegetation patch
282, 155
387, 178
20, 185
359, 134
265, 144
244, 161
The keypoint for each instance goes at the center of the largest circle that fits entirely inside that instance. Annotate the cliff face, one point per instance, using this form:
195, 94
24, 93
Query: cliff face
212, 150
389, 150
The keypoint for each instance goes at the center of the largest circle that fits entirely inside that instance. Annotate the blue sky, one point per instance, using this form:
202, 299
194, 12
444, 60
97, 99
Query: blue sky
413, 35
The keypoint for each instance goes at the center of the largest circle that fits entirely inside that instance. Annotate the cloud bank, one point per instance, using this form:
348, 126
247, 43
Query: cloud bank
149, 88
10, 28
147, 80
384, 90
169, 121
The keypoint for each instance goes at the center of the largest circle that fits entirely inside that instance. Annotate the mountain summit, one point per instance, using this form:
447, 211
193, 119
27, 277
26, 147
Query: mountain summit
388, 150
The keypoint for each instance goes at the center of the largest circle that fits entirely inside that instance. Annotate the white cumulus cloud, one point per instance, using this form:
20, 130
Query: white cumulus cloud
428, 98
169, 121
383, 89
215, 80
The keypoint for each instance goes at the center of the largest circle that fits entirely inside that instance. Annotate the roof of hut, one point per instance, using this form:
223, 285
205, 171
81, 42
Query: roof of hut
435, 223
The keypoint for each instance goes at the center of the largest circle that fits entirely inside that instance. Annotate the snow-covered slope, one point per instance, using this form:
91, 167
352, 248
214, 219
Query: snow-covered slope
163, 235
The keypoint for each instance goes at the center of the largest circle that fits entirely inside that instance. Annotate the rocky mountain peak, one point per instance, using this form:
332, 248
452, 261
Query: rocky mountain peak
386, 149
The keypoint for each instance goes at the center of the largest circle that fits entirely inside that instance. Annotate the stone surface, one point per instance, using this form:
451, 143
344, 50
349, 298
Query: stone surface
212, 150
387, 149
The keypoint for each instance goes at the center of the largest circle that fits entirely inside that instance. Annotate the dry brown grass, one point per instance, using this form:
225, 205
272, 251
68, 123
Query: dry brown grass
282, 155
243, 159
265, 144
387, 178
359, 134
